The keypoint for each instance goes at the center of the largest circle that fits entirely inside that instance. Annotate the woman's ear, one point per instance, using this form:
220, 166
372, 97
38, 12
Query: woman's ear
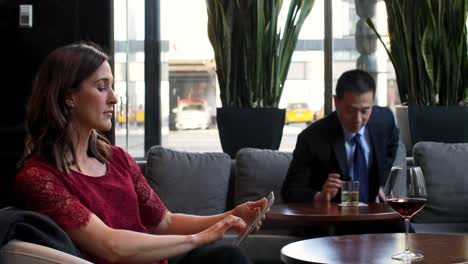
69, 103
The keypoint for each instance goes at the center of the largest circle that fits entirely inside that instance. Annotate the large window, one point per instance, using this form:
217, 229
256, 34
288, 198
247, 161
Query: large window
190, 96
129, 63
189, 92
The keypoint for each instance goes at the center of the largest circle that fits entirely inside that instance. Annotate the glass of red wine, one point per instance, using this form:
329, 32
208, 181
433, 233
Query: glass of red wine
405, 192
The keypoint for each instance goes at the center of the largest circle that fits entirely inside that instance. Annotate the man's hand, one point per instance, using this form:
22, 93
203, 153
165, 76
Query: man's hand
380, 198
330, 188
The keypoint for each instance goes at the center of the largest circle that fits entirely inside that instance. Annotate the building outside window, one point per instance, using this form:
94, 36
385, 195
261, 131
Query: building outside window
189, 89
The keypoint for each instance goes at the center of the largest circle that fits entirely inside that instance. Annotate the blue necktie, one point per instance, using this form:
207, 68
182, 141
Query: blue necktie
360, 169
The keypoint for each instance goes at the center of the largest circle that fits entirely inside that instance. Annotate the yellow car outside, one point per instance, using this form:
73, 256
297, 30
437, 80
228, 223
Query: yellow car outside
298, 113
140, 117
122, 118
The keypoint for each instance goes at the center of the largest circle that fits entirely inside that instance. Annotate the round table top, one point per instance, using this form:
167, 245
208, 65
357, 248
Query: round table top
377, 248
319, 212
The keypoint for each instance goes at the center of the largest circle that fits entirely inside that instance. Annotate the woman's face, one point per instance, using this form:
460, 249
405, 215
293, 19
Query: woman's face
93, 105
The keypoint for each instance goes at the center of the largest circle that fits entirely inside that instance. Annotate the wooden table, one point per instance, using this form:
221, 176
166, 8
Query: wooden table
319, 213
377, 248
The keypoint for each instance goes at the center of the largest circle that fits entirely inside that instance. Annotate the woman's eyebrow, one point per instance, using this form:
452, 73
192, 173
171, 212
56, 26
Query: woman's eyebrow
105, 79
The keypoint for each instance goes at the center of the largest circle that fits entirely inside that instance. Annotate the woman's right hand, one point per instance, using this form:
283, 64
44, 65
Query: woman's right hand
217, 231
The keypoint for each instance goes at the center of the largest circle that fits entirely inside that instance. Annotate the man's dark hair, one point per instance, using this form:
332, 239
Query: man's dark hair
355, 81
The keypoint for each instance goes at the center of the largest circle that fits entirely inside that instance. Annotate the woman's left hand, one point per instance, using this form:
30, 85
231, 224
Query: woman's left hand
249, 211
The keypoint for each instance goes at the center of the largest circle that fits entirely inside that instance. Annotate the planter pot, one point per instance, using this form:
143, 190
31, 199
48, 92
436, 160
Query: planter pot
401, 113
249, 127
447, 124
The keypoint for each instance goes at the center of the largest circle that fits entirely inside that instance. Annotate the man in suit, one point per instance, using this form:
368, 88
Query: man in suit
358, 141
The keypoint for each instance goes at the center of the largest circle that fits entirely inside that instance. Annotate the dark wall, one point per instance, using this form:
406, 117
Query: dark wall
55, 23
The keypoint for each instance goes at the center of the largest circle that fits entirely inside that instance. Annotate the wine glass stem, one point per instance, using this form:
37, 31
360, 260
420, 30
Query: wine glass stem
407, 222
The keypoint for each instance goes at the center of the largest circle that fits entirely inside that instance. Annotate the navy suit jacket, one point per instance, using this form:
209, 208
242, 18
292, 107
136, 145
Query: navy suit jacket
320, 150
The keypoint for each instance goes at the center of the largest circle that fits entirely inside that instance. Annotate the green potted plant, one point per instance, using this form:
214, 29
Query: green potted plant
428, 50
253, 47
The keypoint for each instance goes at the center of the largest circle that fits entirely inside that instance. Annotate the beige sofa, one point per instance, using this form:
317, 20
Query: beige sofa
19, 252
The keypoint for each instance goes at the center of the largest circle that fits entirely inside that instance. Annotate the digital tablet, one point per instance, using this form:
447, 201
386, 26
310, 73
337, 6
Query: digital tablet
271, 199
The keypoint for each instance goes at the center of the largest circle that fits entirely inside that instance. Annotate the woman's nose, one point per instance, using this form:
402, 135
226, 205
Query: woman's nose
113, 98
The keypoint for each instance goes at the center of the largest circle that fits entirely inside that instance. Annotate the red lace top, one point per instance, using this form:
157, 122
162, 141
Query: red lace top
121, 198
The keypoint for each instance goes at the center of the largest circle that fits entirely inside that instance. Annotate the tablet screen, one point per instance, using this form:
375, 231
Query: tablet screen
271, 198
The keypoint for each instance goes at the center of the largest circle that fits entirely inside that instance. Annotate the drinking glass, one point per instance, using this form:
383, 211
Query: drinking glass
349, 193
405, 192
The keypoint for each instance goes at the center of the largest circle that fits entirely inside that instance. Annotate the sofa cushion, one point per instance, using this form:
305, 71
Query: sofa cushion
445, 169
189, 182
259, 171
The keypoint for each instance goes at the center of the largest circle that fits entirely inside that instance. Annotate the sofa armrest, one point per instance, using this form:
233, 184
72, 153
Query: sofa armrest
142, 165
410, 161
441, 228
264, 247
20, 252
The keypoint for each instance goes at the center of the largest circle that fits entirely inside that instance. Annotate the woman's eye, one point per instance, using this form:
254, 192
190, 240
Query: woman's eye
101, 89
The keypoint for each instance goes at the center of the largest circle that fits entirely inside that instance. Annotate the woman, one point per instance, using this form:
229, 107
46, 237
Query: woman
95, 191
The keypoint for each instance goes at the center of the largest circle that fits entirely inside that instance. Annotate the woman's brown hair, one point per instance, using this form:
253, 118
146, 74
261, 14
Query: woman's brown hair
48, 118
